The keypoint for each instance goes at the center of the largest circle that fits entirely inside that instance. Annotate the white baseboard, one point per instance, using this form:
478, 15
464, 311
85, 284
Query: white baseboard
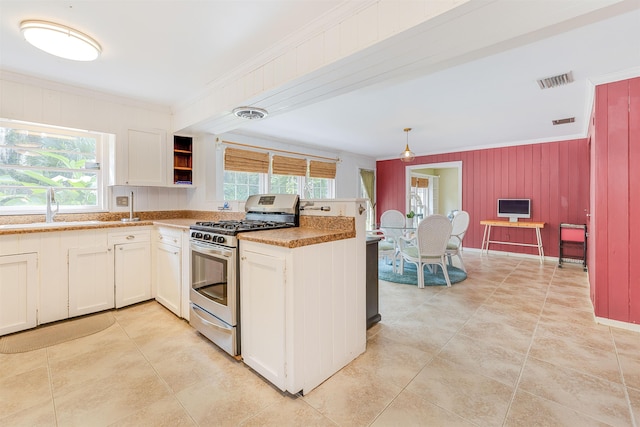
618, 324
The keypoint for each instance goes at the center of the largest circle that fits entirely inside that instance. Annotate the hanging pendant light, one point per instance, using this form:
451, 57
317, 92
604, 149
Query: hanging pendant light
407, 155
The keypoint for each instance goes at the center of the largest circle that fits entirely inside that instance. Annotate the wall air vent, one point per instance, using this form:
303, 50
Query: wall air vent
555, 81
563, 121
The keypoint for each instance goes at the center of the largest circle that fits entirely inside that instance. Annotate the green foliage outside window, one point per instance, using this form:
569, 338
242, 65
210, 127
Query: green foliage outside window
32, 160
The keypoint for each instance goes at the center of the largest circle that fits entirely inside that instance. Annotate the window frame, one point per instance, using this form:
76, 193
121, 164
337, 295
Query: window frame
102, 172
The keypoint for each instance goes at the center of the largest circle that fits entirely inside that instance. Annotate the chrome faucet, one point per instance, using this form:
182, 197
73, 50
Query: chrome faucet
51, 198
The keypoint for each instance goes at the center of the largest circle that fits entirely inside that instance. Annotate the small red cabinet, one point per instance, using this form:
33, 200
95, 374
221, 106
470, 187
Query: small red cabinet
573, 244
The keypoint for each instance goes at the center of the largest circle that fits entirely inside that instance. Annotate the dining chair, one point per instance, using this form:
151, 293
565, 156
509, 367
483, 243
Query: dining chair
459, 225
392, 225
428, 247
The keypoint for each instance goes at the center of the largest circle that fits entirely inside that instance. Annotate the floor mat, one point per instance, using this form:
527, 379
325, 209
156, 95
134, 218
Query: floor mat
48, 335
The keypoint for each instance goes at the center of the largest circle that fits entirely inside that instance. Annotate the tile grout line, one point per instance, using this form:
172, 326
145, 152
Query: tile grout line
168, 387
624, 384
526, 355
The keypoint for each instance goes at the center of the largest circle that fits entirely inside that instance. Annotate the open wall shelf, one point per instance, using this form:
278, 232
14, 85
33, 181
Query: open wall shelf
182, 160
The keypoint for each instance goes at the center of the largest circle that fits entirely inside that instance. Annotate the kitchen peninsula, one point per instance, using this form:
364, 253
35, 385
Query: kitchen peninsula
303, 299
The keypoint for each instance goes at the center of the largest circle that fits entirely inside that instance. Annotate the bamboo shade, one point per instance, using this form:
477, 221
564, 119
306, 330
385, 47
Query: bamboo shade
419, 182
322, 169
282, 165
245, 160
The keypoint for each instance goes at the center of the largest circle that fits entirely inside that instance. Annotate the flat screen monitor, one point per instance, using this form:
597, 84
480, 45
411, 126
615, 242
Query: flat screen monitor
514, 209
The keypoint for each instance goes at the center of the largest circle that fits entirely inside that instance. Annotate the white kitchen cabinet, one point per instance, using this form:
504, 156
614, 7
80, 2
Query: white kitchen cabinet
303, 310
18, 292
140, 160
263, 314
168, 269
91, 285
132, 270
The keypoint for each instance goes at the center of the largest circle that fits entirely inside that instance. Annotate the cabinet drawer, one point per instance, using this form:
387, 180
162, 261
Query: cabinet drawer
169, 237
132, 236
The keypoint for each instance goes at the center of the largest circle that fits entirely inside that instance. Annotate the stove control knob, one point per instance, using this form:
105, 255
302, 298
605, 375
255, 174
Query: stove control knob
198, 236
207, 236
193, 234
220, 239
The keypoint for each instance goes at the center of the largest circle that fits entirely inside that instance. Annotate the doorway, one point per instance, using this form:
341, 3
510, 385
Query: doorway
443, 191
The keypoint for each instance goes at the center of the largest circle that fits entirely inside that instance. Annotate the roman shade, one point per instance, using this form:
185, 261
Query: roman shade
245, 160
419, 182
322, 169
282, 165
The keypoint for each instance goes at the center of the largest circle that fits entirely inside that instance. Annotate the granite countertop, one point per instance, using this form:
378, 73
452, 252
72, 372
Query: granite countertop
296, 237
182, 223
66, 226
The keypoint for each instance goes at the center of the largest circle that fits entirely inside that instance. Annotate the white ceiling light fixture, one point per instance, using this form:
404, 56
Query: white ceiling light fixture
60, 40
251, 113
407, 155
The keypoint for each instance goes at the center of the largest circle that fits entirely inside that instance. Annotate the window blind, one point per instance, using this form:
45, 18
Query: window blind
245, 160
322, 169
419, 182
282, 165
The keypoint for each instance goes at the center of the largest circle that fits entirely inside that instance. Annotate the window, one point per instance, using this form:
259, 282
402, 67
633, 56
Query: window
33, 158
240, 185
250, 172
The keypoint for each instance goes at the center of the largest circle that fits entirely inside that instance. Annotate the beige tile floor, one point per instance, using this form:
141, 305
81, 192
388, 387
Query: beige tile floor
514, 345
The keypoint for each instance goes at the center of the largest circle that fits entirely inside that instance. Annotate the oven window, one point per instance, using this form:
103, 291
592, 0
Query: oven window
210, 277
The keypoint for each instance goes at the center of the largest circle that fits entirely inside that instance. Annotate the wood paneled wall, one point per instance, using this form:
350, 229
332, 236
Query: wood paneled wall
555, 176
615, 270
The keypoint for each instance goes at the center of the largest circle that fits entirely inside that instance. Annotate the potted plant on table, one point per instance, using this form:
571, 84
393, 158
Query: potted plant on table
410, 219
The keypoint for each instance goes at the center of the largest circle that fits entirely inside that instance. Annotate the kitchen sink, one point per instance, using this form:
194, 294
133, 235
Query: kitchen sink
48, 224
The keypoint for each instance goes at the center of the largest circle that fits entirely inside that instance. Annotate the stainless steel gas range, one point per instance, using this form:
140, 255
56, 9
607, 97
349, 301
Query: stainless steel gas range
215, 269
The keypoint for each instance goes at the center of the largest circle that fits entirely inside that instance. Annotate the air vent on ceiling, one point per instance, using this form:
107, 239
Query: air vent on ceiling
563, 121
555, 81
251, 113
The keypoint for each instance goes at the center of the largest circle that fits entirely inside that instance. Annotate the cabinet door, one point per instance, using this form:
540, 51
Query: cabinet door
132, 273
90, 280
146, 158
168, 276
262, 307
18, 290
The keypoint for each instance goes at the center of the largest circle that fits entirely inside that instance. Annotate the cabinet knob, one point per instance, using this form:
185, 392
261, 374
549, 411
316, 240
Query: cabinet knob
131, 237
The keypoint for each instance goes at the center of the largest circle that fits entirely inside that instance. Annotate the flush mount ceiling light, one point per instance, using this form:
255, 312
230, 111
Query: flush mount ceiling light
251, 113
60, 40
407, 155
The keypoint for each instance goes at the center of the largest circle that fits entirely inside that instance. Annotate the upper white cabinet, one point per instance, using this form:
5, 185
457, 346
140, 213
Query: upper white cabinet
141, 160
147, 159
18, 291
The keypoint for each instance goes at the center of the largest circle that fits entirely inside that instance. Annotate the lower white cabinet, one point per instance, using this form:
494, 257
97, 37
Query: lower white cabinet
90, 280
132, 273
302, 310
263, 315
132, 266
168, 276
18, 292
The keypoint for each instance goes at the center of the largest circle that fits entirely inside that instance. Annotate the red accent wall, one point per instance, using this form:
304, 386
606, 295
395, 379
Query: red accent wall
615, 156
555, 176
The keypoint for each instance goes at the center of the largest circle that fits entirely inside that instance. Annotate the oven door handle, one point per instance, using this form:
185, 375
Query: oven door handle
211, 251
197, 309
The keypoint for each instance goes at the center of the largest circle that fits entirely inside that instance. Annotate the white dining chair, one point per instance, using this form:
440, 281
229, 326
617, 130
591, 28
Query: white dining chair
428, 247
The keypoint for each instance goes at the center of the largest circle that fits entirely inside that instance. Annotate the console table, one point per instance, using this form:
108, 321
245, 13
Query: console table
486, 237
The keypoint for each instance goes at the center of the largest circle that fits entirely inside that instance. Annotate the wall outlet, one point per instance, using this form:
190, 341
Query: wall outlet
122, 201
